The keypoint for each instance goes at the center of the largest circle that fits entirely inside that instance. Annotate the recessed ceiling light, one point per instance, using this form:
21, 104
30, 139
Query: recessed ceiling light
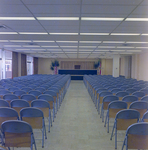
136, 19
20, 41
8, 33
58, 18
101, 19
89, 41
94, 33
113, 42
63, 33
124, 47
32, 33
125, 33
42, 41
17, 18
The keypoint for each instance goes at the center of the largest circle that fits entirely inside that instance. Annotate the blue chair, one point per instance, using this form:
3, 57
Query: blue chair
145, 117
21, 132
26, 89
12, 89
50, 100
140, 106
36, 93
136, 136
101, 96
115, 90
45, 107
28, 97
144, 98
139, 94
19, 93
9, 97
129, 99
121, 94
106, 100
145, 90
113, 108
123, 119
130, 91
35, 118
4, 103
3, 92
18, 104
41, 89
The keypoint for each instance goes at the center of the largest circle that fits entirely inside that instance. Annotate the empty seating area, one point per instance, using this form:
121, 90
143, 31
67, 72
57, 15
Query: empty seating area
120, 100
27, 99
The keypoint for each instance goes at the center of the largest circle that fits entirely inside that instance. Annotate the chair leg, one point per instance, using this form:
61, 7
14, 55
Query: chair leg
112, 131
106, 118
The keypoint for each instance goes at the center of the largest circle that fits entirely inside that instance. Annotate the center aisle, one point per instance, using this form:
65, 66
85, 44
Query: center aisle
78, 125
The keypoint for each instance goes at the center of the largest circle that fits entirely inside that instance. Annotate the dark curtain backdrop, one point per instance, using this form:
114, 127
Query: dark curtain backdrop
14, 64
35, 65
23, 65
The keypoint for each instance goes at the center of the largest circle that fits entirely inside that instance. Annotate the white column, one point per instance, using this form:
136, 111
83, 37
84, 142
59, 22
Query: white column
19, 64
116, 60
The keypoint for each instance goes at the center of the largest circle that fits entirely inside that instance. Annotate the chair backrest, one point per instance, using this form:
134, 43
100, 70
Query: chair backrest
18, 104
33, 116
115, 107
139, 94
20, 131
141, 106
103, 94
129, 99
48, 98
115, 90
41, 89
145, 91
10, 97
28, 97
121, 94
26, 89
3, 92
7, 113
124, 118
144, 98
137, 136
36, 93
145, 117
4, 103
52, 93
19, 93
130, 90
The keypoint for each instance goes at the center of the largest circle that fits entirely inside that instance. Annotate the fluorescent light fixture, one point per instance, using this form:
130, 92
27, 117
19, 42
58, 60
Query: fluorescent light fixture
49, 46
87, 46
38, 49
117, 50
58, 18
17, 18
31, 46
20, 41
136, 42
69, 49
94, 33
98, 52
43, 41
54, 49
124, 47
71, 52
67, 41
102, 50
43, 52
89, 41
127, 53
32, 33
22, 49
141, 47
106, 46
145, 34
136, 19
86, 50
63, 33
8, 33
12, 45
113, 42
4, 41
134, 51
101, 19
125, 33
58, 52
69, 46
